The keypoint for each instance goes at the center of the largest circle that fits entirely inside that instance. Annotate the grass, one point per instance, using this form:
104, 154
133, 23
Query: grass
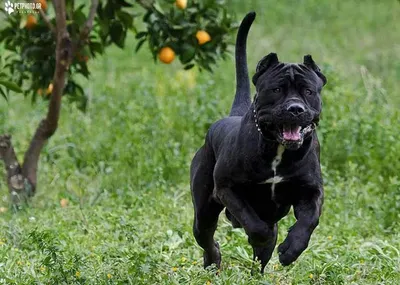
124, 164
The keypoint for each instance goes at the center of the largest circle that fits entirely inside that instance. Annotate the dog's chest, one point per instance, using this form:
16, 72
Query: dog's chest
276, 178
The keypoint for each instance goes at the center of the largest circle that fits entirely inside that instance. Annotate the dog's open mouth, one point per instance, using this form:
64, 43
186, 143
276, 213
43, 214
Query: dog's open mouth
287, 132
291, 132
292, 135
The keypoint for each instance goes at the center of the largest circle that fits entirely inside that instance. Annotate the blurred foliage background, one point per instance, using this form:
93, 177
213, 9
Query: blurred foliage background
123, 165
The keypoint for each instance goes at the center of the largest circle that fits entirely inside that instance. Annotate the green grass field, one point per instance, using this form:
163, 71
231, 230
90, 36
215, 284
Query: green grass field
124, 164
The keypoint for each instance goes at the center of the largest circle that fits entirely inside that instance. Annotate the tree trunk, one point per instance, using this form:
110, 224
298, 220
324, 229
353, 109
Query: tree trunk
20, 188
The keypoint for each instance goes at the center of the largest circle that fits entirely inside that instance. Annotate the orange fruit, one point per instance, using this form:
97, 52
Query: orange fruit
49, 89
166, 55
40, 91
43, 4
64, 202
31, 22
203, 37
181, 4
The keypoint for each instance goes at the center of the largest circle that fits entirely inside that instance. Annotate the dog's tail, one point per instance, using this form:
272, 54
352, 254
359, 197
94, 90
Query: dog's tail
242, 100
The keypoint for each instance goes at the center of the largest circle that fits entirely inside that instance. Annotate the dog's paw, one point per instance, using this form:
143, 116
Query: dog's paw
290, 250
287, 257
263, 255
212, 257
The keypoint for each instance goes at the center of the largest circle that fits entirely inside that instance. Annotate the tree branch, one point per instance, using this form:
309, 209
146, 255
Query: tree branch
48, 126
87, 28
89, 22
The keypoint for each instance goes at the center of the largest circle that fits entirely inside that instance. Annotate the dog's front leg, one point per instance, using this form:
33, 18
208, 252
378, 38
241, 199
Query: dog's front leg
307, 212
258, 231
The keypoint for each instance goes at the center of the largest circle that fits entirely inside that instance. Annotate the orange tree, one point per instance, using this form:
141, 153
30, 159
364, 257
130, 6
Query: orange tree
45, 50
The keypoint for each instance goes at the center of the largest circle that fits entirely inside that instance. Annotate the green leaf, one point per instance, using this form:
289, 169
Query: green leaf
95, 47
109, 10
79, 17
158, 8
146, 16
139, 45
188, 53
99, 11
125, 18
83, 69
178, 27
141, 35
3, 93
189, 66
10, 86
124, 3
117, 33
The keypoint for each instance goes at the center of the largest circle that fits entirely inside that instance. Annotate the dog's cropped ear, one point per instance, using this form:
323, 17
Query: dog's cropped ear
265, 63
309, 62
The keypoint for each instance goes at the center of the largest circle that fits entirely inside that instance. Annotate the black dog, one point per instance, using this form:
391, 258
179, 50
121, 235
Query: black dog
262, 159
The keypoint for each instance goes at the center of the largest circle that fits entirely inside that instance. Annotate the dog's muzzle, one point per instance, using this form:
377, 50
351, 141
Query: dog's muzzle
288, 133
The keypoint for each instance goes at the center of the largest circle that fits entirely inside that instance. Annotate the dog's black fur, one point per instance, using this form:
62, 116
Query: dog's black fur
262, 159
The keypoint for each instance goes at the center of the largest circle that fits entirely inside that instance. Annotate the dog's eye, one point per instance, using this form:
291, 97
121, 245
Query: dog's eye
277, 90
307, 91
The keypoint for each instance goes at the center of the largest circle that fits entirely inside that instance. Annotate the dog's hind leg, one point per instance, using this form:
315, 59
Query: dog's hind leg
264, 253
205, 224
207, 210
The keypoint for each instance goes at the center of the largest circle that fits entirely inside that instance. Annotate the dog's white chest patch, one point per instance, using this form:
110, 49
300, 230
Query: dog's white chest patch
275, 162
273, 180
278, 158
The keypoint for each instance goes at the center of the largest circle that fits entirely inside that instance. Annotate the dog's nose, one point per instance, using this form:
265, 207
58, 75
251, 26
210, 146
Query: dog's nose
296, 109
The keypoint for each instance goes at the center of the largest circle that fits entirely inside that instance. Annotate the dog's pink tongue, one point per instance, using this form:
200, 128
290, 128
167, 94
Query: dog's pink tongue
291, 133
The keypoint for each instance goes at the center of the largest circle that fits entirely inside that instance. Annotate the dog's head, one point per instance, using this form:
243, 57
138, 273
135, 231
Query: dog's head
288, 101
